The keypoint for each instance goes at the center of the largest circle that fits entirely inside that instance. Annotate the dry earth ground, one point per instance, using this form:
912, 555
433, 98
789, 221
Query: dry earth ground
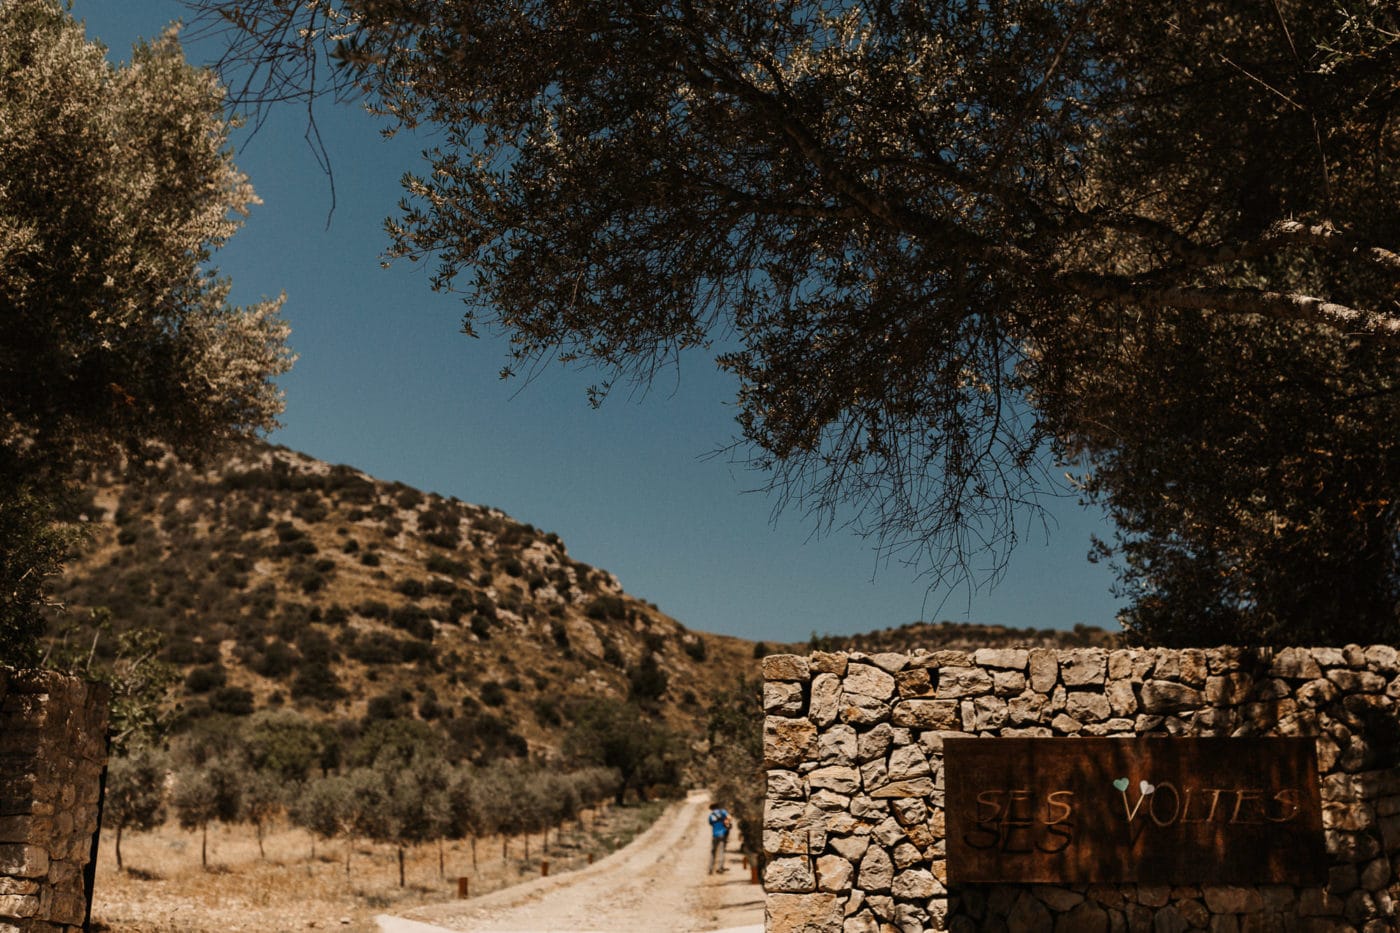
658, 883
164, 889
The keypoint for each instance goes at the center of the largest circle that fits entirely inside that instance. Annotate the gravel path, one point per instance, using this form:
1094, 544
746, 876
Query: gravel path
657, 883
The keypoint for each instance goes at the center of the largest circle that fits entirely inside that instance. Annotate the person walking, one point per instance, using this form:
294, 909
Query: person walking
719, 835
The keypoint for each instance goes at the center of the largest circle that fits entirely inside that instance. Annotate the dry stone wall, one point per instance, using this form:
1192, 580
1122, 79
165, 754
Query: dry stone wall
854, 823
53, 747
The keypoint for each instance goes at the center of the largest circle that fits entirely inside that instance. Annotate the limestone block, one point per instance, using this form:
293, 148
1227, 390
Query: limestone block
827, 662
909, 811
862, 710
833, 873
1316, 693
889, 833
1008, 683
927, 714
27, 828
914, 884
1086, 917
830, 801
1164, 696
789, 875
823, 703
914, 682
789, 667
1014, 659
797, 913
1330, 657
875, 743
918, 787
849, 847
889, 661
787, 742
1295, 664
1356, 681
876, 871
963, 682
1088, 706
23, 861
1057, 898
1044, 665
875, 773
869, 809
906, 855
1066, 724
863, 922
1230, 899
868, 680
1082, 667
1120, 664
19, 906
1029, 915
838, 778
908, 762
1121, 698
785, 785
838, 745
1227, 689
1383, 659
1028, 707
781, 698
783, 814
1192, 666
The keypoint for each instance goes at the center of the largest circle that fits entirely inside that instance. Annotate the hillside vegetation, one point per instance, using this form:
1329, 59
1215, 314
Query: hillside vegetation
280, 581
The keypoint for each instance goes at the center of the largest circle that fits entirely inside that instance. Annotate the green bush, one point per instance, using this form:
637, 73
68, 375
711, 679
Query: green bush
204, 679
492, 693
231, 701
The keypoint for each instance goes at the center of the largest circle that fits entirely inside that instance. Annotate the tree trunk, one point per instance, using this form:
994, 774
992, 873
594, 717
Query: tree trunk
400, 866
204, 845
119, 847
261, 853
349, 847
442, 868
473, 853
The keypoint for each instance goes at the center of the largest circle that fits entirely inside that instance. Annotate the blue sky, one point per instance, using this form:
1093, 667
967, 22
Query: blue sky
387, 383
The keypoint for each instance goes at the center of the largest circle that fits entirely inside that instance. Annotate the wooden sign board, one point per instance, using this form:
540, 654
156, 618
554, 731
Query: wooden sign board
1156, 810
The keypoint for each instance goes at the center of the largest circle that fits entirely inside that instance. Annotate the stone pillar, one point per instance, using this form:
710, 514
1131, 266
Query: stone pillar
53, 747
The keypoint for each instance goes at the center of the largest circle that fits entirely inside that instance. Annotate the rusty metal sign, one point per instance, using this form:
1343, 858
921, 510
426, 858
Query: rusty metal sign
1157, 810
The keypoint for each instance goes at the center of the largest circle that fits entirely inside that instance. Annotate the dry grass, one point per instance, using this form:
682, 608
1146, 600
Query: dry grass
165, 890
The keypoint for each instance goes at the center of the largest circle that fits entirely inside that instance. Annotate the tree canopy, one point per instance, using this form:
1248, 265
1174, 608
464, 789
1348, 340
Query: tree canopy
934, 242
116, 186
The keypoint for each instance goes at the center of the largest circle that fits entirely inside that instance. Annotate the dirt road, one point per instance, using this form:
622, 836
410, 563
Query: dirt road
658, 883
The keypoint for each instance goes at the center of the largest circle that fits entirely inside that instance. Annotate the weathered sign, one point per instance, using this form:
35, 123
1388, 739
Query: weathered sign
1156, 810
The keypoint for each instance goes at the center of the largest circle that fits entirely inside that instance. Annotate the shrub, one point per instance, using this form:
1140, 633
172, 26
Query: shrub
603, 608
438, 563
370, 559
414, 620
481, 626
444, 538
492, 693
695, 648
373, 609
512, 567
276, 660
316, 681
204, 679
232, 701
411, 588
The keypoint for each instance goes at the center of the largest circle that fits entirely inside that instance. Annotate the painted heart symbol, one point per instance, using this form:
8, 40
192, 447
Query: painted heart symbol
1121, 784
1145, 788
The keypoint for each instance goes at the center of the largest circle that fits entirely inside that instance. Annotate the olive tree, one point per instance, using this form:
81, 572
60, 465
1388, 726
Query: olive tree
116, 186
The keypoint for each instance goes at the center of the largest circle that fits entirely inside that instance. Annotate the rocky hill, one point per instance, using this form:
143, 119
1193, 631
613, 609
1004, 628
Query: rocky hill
279, 580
